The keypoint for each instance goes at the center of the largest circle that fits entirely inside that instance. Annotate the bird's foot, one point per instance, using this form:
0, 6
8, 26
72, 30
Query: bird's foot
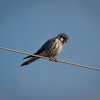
54, 59
51, 58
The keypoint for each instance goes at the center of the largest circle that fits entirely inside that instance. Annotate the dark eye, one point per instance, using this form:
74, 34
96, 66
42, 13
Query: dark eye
64, 38
60, 36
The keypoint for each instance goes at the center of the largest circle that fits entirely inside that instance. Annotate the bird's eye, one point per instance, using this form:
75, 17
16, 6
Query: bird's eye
60, 36
64, 38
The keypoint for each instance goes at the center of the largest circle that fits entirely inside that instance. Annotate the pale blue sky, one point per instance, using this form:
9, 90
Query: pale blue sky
25, 25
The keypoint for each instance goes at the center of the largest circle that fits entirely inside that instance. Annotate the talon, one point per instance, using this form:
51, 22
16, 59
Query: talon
51, 58
55, 60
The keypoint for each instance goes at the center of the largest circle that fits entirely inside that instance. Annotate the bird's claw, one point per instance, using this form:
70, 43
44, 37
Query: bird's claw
51, 58
54, 59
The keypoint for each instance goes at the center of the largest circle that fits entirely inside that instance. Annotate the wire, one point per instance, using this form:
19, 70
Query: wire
49, 58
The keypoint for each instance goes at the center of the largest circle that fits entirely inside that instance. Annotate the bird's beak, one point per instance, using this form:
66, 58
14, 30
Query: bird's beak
66, 41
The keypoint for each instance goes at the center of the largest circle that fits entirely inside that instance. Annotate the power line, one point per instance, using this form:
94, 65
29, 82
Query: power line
49, 58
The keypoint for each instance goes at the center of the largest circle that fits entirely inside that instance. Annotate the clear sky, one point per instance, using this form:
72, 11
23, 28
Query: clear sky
25, 25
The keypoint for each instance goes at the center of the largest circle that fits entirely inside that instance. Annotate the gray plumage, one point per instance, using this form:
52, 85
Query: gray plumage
50, 49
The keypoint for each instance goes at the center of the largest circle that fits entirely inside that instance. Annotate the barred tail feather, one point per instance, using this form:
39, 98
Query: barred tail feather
30, 61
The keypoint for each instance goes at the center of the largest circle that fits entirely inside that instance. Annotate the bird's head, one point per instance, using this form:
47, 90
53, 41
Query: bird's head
63, 38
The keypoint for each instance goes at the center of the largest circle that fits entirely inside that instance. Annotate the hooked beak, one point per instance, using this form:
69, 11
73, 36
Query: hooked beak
66, 41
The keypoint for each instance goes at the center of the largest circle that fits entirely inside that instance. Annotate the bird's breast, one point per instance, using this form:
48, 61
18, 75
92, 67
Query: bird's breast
58, 46
55, 48
52, 49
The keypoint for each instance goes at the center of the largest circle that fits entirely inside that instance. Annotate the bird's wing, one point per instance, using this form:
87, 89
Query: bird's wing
45, 45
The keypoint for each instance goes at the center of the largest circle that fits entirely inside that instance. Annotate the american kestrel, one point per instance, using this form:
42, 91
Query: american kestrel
49, 49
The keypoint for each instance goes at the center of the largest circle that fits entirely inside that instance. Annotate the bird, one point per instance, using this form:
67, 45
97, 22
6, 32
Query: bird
49, 49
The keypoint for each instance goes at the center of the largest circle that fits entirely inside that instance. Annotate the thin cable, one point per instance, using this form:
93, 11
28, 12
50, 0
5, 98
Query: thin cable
49, 58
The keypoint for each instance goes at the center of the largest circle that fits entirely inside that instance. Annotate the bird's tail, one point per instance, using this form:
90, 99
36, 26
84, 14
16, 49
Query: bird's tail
29, 61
